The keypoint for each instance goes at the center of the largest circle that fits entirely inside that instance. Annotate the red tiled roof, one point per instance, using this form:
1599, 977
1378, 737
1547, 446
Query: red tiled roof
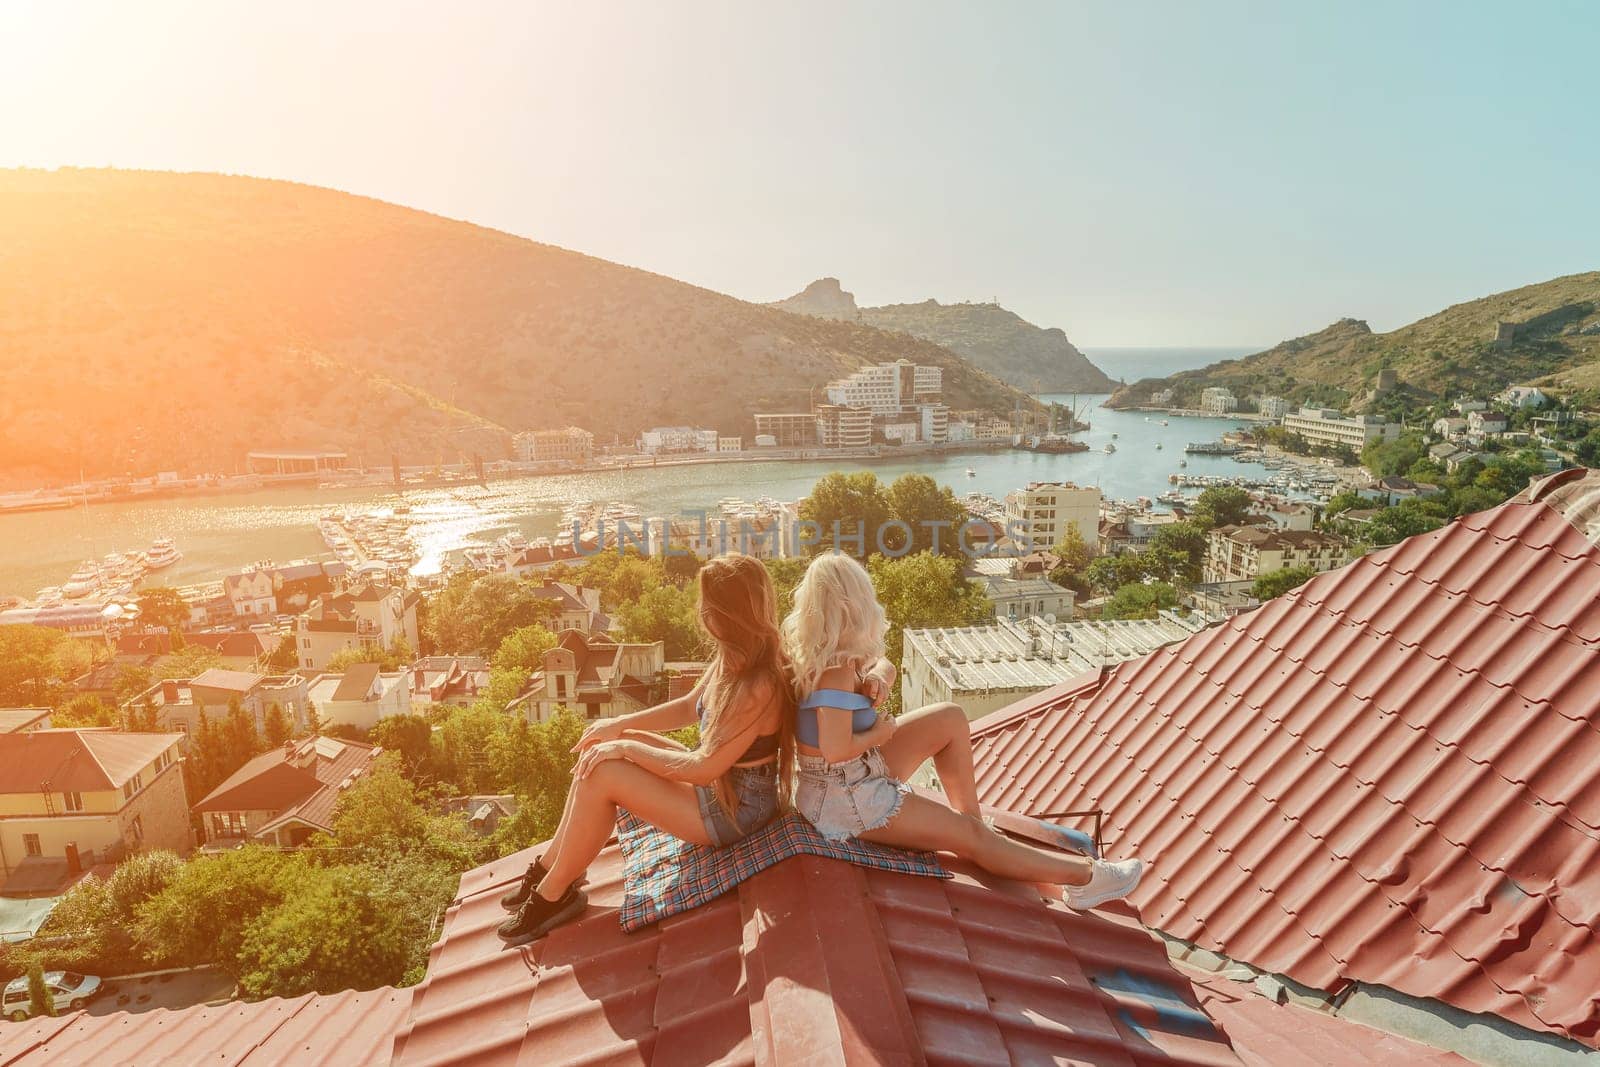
75, 761
347, 1029
1390, 775
273, 782
1268, 1034
813, 961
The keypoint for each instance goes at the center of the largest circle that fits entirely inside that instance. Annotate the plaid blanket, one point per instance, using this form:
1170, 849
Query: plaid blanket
663, 875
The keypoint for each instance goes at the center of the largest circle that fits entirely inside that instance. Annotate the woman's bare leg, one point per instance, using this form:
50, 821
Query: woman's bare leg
940, 731
642, 736
592, 816
927, 824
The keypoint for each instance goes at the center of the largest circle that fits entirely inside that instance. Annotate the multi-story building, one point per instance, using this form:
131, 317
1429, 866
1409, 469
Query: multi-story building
70, 799
934, 425
572, 446
669, 440
888, 388
1244, 553
1482, 424
1217, 400
368, 615
1025, 598
284, 795
843, 427
788, 429
1039, 515
730, 444
178, 702
598, 678
577, 607
250, 593
1273, 407
1326, 426
1161, 398
360, 696
985, 668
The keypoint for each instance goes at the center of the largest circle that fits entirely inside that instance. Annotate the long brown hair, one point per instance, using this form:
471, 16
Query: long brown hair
739, 611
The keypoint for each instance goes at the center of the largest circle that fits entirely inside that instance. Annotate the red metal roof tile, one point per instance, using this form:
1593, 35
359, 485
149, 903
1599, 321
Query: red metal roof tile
812, 961
1268, 1034
347, 1029
1391, 775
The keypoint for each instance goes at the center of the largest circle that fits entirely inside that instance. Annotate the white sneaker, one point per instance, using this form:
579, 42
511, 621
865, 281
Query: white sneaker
1107, 881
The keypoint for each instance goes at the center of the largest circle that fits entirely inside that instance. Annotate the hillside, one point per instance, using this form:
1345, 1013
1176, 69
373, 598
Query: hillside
987, 335
1557, 331
160, 321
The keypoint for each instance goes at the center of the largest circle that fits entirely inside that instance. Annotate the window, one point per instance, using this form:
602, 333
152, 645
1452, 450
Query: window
227, 824
30, 845
72, 801
132, 786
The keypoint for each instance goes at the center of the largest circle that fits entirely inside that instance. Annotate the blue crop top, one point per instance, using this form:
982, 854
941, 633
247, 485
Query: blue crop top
762, 748
862, 715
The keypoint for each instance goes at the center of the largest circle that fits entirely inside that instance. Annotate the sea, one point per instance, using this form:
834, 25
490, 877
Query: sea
219, 534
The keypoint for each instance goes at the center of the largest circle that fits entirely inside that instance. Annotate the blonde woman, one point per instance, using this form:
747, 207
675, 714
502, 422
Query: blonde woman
852, 761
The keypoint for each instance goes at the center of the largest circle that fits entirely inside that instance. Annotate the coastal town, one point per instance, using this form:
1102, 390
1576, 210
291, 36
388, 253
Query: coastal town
746, 534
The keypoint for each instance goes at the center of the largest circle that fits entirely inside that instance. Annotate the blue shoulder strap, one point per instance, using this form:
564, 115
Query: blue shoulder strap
836, 698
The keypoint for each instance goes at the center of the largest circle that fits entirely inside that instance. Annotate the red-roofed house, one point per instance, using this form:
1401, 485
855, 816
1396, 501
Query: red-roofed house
1386, 780
366, 615
595, 677
72, 798
447, 680
577, 607
284, 795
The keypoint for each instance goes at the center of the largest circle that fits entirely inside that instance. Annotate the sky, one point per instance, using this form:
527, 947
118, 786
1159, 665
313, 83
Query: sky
1161, 173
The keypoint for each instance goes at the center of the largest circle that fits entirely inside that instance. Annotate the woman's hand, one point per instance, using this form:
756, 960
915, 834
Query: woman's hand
874, 688
597, 754
598, 733
882, 730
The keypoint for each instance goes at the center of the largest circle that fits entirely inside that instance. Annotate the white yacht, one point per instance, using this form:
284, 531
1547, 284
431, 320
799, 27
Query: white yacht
163, 553
971, 473
1110, 448
84, 580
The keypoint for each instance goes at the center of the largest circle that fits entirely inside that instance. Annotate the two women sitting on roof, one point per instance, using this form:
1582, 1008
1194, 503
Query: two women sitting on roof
772, 707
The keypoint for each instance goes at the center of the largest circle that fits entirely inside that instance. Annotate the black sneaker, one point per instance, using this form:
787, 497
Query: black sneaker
530, 881
539, 916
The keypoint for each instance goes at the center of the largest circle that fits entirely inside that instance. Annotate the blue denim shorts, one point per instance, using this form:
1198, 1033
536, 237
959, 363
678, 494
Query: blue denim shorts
757, 788
845, 800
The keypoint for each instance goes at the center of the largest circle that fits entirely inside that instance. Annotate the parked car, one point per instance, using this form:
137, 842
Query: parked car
68, 989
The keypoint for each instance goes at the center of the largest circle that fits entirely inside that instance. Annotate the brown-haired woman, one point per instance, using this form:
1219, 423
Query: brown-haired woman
715, 794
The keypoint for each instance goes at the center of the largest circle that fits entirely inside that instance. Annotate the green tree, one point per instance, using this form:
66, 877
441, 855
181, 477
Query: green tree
930, 510
523, 650
285, 657
40, 1002
923, 591
1185, 542
1220, 505
241, 740
1140, 600
83, 710
667, 614
1386, 458
392, 658
848, 510
162, 606
187, 662
1107, 574
340, 928
409, 736
474, 614
201, 914
1073, 570
785, 575
1276, 583
275, 726
1587, 448
34, 663
380, 813
1405, 519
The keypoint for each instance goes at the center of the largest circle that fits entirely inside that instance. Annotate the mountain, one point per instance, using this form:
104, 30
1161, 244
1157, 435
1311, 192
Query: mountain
1554, 329
986, 335
160, 321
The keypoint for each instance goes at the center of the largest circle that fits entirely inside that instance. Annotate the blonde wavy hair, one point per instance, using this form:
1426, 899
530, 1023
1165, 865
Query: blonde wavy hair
836, 622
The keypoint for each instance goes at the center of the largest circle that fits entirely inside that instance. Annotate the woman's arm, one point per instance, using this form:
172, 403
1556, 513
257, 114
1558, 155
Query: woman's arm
700, 766
667, 716
877, 681
838, 745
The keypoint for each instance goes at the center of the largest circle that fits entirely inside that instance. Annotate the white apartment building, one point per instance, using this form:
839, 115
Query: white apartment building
985, 668
1273, 407
1217, 400
888, 388
663, 440
361, 696
1245, 553
570, 445
1025, 598
786, 429
369, 615
1161, 397
843, 427
1326, 426
1040, 514
935, 426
